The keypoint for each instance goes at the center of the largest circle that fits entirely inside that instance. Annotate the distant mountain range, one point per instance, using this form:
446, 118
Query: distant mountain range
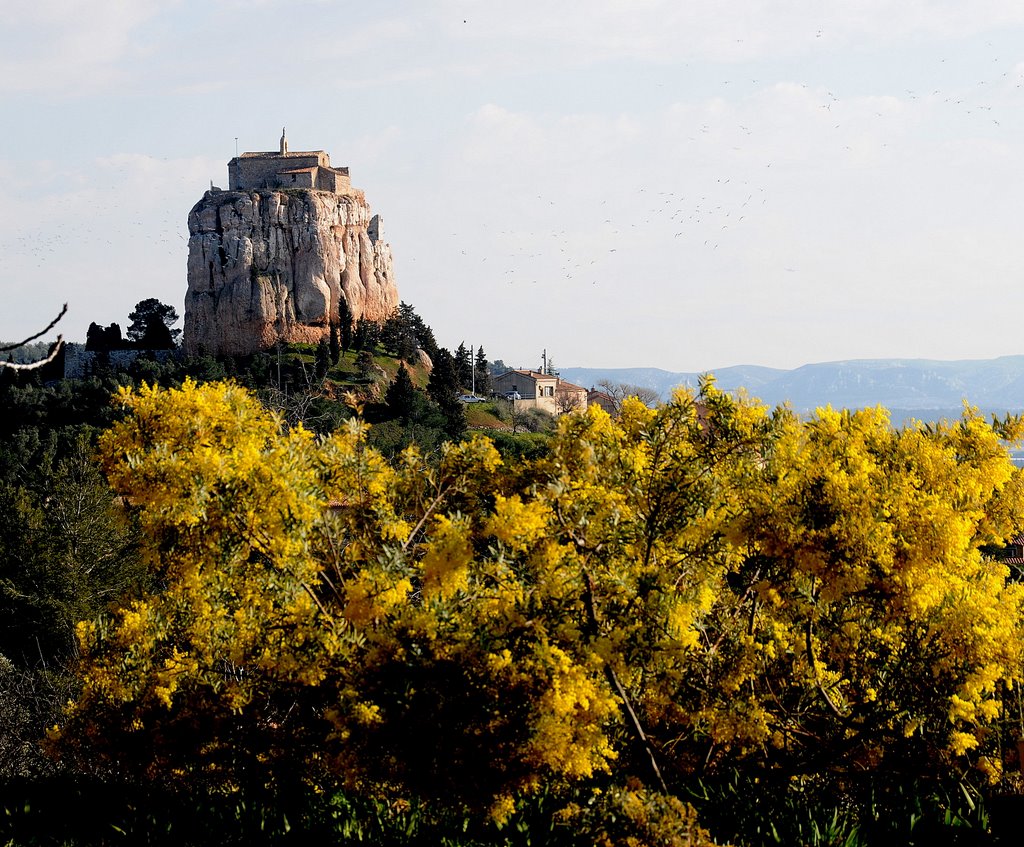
922, 388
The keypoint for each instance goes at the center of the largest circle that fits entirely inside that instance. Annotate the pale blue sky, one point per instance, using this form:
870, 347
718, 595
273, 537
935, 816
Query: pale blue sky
683, 185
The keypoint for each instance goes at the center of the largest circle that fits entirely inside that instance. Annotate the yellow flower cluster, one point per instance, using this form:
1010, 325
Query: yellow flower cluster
702, 582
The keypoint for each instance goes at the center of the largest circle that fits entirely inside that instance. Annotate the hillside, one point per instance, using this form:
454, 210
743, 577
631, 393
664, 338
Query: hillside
928, 388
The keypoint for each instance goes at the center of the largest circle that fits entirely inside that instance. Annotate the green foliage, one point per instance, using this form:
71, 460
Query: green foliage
482, 374
346, 325
334, 345
66, 550
322, 362
444, 389
524, 446
463, 366
366, 335
767, 809
401, 395
151, 323
364, 365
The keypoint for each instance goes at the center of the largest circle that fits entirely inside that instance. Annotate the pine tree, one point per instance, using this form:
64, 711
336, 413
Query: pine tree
366, 335
483, 375
401, 394
463, 365
443, 389
151, 323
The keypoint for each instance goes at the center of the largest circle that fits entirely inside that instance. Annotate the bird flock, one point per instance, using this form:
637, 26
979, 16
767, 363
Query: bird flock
723, 187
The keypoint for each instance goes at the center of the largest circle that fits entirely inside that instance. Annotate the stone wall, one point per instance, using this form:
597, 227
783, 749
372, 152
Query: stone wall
260, 171
80, 363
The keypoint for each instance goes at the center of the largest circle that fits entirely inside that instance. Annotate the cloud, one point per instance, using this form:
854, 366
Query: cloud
101, 238
669, 31
69, 46
849, 225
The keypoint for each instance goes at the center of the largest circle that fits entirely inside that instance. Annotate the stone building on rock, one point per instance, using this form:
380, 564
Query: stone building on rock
273, 257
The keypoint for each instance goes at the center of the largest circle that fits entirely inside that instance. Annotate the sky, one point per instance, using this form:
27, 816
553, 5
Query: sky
623, 183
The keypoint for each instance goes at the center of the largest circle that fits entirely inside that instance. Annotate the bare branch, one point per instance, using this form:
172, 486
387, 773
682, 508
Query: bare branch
14, 366
8, 347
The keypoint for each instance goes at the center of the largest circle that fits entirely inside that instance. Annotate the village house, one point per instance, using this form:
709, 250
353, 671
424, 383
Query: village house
570, 397
602, 399
537, 390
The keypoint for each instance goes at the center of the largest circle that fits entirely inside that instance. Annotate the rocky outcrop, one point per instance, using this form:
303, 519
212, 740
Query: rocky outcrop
269, 265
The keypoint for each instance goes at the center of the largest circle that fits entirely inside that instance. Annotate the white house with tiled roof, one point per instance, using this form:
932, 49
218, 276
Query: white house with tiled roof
537, 390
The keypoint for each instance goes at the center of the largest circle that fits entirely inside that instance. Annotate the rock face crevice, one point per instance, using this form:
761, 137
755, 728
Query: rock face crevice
273, 265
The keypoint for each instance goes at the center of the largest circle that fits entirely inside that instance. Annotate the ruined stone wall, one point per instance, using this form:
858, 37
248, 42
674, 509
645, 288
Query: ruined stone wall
80, 363
257, 172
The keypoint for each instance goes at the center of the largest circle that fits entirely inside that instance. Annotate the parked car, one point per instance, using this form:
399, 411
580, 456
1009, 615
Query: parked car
472, 398
513, 395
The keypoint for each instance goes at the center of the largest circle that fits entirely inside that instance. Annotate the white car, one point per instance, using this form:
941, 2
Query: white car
472, 398
513, 395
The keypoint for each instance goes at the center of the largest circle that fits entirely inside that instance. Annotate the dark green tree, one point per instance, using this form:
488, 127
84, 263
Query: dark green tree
335, 343
463, 365
425, 337
366, 335
397, 337
151, 323
364, 364
482, 374
423, 334
322, 362
401, 394
345, 324
443, 389
66, 549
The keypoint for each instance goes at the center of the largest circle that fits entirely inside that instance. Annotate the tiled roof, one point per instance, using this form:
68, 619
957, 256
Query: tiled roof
531, 374
569, 386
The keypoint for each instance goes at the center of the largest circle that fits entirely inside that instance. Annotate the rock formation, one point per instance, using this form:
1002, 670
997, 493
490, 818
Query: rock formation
274, 263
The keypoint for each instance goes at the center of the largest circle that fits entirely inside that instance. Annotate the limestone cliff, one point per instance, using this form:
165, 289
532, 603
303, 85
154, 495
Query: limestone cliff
271, 264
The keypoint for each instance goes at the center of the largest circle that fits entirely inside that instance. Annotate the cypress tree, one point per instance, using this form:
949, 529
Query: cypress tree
463, 365
483, 375
322, 362
335, 344
345, 322
401, 394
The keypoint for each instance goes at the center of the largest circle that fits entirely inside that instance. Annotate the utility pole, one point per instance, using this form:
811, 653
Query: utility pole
472, 371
